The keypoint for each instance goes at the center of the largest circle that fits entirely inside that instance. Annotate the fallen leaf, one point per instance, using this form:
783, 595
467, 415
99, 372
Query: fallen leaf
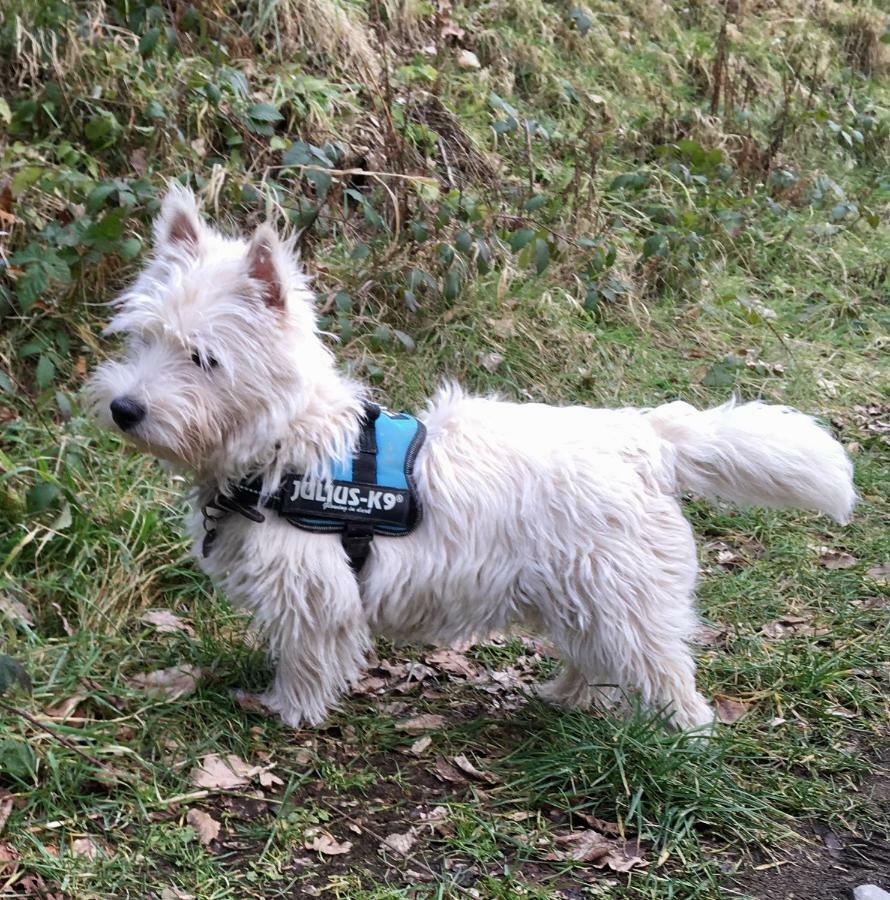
401, 843
505, 327
491, 362
587, 846
166, 622
453, 662
880, 573
420, 745
138, 161
599, 824
729, 710
324, 842
415, 672
870, 602
267, 779
9, 857
468, 768
792, 626
225, 772
86, 846
426, 722
67, 707
394, 670
206, 827
172, 683
368, 685
596, 848
173, 893
435, 817
250, 702
519, 816
446, 772
5, 807
449, 29
710, 636
836, 559
15, 610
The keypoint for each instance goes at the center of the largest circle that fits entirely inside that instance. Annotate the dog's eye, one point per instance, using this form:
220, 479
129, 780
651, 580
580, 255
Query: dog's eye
206, 362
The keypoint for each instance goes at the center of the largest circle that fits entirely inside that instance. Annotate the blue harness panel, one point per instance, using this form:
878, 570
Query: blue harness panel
375, 487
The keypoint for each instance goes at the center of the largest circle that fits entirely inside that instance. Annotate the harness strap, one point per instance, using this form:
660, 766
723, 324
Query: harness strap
356, 537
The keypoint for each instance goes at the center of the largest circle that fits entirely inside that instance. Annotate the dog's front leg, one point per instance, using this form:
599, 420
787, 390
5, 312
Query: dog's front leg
317, 633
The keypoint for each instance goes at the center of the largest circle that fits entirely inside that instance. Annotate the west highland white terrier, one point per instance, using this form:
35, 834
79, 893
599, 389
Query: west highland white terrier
564, 520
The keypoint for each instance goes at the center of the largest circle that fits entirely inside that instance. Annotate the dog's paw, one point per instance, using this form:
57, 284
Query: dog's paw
696, 718
254, 702
570, 690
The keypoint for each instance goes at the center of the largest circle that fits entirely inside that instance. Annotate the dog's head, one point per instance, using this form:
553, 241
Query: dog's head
219, 333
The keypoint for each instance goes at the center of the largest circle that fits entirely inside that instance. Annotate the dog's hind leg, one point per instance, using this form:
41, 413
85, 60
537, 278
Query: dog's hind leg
625, 627
648, 659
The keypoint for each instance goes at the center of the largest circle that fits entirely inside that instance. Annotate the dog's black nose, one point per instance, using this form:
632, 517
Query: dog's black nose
126, 412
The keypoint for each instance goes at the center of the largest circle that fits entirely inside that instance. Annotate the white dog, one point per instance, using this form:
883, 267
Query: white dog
562, 519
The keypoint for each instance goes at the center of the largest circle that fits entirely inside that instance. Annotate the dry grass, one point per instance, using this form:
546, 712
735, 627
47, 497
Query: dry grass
335, 33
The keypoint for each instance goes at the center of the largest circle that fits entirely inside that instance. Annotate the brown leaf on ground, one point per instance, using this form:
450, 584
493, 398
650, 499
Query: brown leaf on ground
505, 327
6, 800
225, 772
415, 673
139, 161
792, 626
174, 893
251, 703
9, 858
392, 669
730, 710
879, 573
370, 684
67, 707
87, 847
173, 683
710, 636
420, 745
267, 779
491, 362
599, 824
419, 724
509, 679
166, 622
444, 771
206, 827
436, 818
401, 843
453, 662
324, 842
870, 602
836, 559
593, 847
15, 610
468, 768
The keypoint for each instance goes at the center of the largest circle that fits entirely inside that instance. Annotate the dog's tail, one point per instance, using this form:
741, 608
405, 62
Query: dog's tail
758, 455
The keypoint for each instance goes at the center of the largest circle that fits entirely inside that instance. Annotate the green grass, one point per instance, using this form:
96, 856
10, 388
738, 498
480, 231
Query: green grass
743, 252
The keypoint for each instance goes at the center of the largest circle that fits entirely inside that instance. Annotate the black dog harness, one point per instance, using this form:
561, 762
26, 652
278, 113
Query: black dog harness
373, 493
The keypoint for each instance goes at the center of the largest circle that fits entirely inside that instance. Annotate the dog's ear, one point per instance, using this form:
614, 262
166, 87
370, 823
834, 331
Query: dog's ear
179, 226
268, 265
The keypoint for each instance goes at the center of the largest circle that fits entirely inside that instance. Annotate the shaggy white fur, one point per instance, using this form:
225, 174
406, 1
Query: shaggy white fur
562, 519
